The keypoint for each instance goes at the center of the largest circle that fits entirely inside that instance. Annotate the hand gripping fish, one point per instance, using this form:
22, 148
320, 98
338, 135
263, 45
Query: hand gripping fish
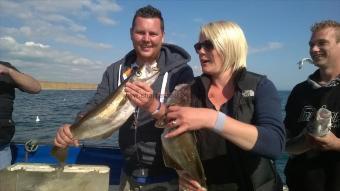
319, 128
110, 114
180, 152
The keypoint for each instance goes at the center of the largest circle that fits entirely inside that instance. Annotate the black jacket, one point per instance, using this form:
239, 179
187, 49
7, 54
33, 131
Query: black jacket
248, 170
7, 96
313, 170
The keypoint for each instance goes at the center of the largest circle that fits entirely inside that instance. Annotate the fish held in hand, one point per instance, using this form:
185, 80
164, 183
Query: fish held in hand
180, 152
110, 114
322, 124
320, 127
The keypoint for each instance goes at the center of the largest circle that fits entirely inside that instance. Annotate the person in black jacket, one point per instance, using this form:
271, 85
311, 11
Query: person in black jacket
235, 114
11, 78
139, 140
319, 168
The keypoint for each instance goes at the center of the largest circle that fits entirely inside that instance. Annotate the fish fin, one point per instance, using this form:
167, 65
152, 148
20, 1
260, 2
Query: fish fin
60, 154
297, 145
106, 135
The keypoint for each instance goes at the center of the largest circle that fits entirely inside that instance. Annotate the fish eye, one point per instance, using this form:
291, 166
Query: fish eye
138, 73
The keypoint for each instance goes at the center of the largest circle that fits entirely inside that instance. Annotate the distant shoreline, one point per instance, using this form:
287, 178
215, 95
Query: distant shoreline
46, 85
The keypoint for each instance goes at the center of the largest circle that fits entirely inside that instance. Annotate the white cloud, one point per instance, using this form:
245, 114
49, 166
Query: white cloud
107, 21
57, 20
268, 47
36, 44
82, 41
64, 21
46, 63
102, 10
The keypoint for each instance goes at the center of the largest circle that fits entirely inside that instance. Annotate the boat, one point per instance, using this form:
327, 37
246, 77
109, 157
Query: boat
33, 152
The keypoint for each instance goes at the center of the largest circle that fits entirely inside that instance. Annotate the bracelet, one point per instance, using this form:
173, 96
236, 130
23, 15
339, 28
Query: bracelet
219, 123
158, 109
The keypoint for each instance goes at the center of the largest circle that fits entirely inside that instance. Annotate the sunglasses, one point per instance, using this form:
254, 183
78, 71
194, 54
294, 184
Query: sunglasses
207, 45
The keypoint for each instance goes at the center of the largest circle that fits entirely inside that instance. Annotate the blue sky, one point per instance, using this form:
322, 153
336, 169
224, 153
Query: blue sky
75, 40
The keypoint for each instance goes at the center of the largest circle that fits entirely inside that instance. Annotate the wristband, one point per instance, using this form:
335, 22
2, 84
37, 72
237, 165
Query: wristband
219, 123
158, 108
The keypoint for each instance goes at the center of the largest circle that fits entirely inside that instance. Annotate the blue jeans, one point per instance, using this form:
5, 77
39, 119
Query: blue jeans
5, 156
127, 183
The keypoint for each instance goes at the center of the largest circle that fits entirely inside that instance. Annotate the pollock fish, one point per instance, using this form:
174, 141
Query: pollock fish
319, 128
110, 114
180, 152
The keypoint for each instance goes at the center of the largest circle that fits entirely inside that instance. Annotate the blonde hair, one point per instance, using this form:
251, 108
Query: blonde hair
327, 24
229, 41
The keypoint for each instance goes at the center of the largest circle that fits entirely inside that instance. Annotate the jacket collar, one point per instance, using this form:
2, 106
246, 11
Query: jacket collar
171, 56
239, 81
312, 80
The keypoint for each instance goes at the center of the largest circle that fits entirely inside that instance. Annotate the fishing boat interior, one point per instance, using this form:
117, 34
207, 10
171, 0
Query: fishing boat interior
35, 153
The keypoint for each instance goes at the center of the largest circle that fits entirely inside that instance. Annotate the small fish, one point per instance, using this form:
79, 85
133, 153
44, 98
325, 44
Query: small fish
108, 116
180, 152
319, 128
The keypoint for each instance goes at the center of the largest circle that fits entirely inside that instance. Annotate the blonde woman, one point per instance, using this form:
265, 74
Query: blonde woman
236, 115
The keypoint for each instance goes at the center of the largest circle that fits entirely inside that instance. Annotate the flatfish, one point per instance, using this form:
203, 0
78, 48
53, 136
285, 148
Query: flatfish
180, 152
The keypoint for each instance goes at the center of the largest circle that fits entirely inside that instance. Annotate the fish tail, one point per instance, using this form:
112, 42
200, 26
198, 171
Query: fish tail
60, 154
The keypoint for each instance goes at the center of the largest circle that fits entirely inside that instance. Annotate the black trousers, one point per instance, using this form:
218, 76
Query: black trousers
6, 131
314, 174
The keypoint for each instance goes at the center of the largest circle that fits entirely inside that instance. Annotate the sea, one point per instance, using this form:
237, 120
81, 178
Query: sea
38, 116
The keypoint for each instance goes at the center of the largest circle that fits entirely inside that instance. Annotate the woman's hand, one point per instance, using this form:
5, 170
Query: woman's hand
141, 94
64, 137
187, 183
188, 119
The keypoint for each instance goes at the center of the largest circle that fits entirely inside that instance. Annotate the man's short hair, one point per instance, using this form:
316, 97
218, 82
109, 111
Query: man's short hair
327, 24
148, 12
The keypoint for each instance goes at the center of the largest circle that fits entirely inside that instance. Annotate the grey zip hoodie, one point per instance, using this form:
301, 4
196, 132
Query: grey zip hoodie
141, 147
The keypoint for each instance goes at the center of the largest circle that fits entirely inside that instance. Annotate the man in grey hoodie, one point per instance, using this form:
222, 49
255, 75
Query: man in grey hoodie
139, 140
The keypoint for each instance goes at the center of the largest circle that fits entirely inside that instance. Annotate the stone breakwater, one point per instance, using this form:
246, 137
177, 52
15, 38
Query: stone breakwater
46, 85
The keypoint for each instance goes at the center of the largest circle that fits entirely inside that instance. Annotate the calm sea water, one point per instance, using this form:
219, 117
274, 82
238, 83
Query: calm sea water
56, 107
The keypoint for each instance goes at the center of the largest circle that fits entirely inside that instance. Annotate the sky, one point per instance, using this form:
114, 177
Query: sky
75, 40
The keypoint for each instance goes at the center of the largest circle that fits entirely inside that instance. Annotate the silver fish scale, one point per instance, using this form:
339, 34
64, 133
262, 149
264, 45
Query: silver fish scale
114, 111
